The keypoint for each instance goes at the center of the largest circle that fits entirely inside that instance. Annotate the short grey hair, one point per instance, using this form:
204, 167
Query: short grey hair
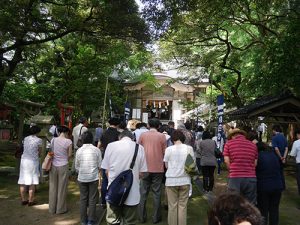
126, 133
181, 126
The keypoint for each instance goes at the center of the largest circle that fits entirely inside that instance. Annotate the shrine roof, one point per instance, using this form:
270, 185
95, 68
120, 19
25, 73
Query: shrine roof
268, 105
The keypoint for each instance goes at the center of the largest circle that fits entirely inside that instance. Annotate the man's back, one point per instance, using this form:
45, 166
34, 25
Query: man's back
78, 130
109, 136
280, 142
242, 154
117, 159
154, 144
139, 132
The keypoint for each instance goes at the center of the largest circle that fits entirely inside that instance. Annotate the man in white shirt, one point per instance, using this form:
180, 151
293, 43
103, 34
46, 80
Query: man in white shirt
296, 153
88, 163
117, 158
140, 128
77, 131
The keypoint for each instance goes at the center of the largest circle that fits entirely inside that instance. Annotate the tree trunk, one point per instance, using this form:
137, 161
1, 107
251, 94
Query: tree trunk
3, 80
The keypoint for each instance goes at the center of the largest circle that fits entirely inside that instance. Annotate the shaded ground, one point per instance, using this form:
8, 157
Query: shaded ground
12, 213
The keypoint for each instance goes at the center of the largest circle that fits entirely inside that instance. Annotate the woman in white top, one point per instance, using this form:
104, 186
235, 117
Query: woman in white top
58, 175
29, 167
177, 181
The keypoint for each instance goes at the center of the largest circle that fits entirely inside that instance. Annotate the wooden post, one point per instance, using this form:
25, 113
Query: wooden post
20, 138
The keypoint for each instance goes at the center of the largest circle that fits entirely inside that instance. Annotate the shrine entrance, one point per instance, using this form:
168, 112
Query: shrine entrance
164, 101
161, 109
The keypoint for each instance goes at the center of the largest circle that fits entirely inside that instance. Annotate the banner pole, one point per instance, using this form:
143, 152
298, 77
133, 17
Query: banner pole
104, 104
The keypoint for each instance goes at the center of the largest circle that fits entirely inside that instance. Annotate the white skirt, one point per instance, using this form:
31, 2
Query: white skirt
29, 172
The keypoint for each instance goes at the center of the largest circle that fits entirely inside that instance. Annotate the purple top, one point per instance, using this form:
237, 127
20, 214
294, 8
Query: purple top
61, 149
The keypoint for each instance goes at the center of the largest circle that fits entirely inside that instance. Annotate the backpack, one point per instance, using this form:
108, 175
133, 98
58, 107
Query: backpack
119, 189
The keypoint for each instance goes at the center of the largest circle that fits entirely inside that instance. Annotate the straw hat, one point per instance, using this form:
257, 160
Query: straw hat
236, 131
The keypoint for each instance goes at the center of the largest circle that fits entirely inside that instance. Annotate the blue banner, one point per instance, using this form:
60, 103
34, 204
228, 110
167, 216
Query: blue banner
220, 104
127, 111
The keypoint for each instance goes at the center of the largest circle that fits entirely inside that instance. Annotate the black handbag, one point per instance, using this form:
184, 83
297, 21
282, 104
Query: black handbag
79, 141
119, 189
218, 153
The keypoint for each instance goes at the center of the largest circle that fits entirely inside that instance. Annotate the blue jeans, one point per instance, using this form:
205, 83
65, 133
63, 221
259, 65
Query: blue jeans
104, 185
219, 161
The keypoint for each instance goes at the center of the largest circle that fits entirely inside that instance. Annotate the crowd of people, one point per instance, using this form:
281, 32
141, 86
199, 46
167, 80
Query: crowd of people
255, 178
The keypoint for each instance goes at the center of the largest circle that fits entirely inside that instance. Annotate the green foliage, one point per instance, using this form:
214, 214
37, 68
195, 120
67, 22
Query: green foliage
62, 51
97, 23
245, 47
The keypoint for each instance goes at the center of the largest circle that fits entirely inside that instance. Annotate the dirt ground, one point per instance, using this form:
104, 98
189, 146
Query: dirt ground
13, 213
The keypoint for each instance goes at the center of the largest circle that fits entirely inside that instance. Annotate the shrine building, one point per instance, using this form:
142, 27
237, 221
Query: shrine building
164, 101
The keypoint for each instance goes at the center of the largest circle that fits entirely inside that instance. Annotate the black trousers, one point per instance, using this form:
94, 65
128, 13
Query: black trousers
208, 177
298, 176
268, 204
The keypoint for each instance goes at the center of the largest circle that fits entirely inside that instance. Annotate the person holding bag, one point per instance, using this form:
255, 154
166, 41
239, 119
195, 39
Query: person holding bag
58, 175
177, 180
29, 166
118, 158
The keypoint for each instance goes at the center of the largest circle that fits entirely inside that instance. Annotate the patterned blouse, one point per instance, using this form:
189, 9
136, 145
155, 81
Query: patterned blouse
31, 147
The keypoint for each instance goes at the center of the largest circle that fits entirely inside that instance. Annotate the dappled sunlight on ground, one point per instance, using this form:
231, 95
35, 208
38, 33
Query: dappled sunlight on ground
13, 213
67, 222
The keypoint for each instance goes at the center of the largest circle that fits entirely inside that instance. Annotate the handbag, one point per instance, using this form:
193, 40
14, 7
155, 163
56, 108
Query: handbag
47, 163
119, 189
218, 153
79, 141
190, 166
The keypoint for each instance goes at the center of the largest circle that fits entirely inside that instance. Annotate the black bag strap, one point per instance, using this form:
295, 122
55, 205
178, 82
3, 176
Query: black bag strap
134, 156
80, 130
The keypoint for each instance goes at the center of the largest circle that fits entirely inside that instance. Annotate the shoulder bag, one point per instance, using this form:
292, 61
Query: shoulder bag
218, 153
190, 166
47, 163
79, 141
119, 189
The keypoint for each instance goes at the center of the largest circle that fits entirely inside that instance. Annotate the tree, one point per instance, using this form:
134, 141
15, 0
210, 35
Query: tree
26, 25
228, 39
73, 70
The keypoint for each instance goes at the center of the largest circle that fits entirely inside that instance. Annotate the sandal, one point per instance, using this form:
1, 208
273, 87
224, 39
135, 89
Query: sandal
31, 203
24, 202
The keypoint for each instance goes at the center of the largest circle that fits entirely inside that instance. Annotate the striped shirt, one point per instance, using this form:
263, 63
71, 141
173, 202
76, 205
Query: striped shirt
242, 154
88, 162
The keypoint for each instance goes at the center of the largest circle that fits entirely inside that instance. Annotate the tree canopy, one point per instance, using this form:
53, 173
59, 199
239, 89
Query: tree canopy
246, 48
63, 50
